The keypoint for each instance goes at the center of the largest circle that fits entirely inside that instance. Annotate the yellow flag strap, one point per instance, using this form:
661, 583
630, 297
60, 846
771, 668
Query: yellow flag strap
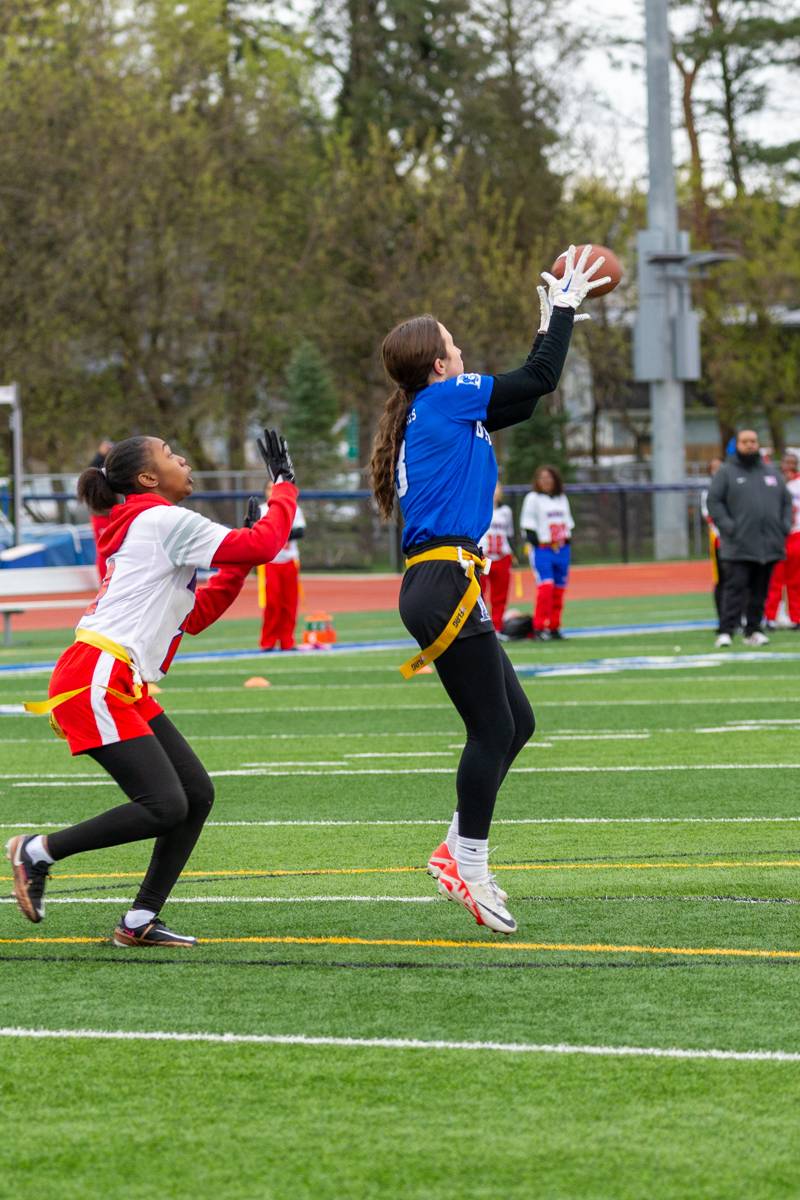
712, 549
449, 554
101, 642
464, 607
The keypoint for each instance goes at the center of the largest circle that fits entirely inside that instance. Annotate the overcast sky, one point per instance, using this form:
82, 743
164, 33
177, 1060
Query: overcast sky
618, 111
605, 100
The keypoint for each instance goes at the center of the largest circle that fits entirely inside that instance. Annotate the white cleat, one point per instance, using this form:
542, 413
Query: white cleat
441, 859
723, 641
756, 639
481, 899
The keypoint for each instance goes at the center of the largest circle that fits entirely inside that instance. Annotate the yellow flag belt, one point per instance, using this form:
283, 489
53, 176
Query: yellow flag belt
102, 642
464, 607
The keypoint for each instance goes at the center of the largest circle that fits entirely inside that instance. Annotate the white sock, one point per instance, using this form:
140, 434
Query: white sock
136, 917
452, 834
35, 848
472, 856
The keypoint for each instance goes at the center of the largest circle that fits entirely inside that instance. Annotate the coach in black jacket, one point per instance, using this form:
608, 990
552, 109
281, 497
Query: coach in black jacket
752, 508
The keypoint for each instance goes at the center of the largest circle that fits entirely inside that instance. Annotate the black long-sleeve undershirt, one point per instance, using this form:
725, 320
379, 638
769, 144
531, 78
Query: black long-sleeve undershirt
515, 394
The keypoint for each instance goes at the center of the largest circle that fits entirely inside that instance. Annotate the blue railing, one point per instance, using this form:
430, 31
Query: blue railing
512, 489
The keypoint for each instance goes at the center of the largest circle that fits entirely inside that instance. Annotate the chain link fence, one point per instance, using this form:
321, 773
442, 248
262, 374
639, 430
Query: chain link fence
613, 520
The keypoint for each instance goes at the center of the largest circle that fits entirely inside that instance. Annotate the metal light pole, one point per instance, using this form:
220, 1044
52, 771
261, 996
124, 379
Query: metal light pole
10, 395
666, 343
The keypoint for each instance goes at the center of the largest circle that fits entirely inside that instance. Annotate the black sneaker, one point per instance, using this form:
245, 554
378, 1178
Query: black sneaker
154, 933
557, 636
30, 879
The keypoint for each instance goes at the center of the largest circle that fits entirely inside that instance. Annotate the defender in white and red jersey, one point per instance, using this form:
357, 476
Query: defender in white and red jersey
547, 522
279, 586
496, 544
99, 699
786, 573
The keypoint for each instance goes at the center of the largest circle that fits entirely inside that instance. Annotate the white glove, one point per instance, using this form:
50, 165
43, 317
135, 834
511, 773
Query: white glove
546, 311
576, 282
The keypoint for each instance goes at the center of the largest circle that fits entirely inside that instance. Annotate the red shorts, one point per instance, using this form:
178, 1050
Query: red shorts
95, 717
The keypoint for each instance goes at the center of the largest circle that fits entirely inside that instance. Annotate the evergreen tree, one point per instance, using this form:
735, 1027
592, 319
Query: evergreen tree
537, 442
506, 118
311, 410
400, 64
726, 53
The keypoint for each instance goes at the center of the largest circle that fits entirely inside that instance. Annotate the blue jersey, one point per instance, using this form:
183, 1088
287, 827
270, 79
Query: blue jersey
446, 470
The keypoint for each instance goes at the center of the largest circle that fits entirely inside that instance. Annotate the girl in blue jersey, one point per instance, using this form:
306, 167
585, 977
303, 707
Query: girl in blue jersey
433, 452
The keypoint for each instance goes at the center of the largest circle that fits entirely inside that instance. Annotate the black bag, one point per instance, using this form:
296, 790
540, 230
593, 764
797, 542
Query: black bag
519, 626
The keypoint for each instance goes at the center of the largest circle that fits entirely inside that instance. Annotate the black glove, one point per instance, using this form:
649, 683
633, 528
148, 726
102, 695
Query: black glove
253, 512
275, 454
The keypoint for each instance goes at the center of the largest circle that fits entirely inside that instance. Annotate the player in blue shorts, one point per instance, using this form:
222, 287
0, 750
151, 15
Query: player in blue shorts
546, 519
433, 453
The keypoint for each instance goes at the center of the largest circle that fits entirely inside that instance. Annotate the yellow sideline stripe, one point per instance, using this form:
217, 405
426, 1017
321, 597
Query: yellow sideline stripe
711, 864
447, 944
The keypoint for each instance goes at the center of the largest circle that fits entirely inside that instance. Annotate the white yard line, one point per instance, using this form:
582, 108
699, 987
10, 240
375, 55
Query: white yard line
754, 727
342, 762
264, 773
595, 737
278, 709
309, 1040
440, 822
768, 725
52, 743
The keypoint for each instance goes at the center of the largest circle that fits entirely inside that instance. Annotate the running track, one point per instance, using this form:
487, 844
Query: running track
370, 593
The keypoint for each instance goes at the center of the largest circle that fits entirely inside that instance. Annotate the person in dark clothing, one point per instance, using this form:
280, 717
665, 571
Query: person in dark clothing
751, 506
433, 452
101, 453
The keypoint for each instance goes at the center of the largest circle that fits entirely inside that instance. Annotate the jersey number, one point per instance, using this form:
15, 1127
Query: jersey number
103, 589
401, 475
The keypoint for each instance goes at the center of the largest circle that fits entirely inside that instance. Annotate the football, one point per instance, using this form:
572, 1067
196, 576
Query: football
611, 266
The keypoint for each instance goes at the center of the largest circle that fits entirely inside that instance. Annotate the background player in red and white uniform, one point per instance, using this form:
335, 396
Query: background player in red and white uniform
496, 544
786, 573
126, 639
279, 585
546, 520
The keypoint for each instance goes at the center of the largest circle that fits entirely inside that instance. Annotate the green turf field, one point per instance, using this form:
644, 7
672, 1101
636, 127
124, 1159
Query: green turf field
649, 839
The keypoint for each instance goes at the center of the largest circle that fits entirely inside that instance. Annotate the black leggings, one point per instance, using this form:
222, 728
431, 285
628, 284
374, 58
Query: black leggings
480, 680
172, 796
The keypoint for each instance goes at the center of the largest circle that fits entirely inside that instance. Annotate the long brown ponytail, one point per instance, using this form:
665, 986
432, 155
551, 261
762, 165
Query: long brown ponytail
408, 354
